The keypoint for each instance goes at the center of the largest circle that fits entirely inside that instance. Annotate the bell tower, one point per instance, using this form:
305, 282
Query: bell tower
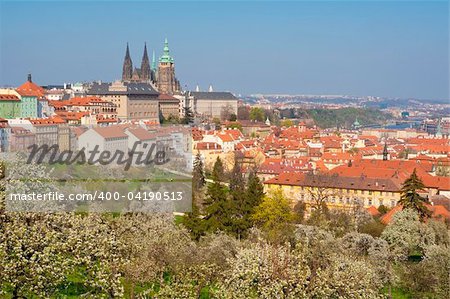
166, 81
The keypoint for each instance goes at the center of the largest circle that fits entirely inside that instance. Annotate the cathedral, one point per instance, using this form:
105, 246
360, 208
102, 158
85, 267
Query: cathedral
161, 76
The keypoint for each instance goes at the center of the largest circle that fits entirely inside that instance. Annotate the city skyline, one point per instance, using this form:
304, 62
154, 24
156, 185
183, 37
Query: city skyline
355, 48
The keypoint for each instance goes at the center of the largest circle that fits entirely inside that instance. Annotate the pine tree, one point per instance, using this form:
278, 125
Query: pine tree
218, 174
198, 174
254, 193
410, 197
217, 208
237, 184
194, 223
188, 116
244, 204
217, 205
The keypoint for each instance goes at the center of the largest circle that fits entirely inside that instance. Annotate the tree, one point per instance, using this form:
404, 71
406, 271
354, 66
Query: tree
226, 112
243, 113
407, 236
287, 123
198, 174
257, 113
274, 216
217, 205
240, 209
319, 191
410, 197
188, 116
218, 173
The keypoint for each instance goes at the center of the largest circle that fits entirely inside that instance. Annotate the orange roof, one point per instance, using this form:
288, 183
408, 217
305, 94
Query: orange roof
110, 132
47, 121
225, 137
437, 212
9, 97
30, 89
208, 146
373, 211
141, 133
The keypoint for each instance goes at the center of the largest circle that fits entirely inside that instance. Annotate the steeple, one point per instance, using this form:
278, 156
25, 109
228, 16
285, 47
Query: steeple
145, 66
166, 55
385, 152
154, 66
127, 70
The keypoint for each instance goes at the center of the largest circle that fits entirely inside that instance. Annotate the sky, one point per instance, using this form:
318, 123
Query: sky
379, 48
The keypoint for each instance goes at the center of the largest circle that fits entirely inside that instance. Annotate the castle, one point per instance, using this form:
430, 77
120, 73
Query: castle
161, 76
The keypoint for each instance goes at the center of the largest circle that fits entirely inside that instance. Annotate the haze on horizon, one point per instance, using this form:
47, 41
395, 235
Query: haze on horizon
388, 49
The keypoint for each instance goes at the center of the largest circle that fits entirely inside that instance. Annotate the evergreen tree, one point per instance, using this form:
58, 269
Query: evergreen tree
245, 201
237, 184
410, 197
188, 116
218, 174
198, 174
194, 223
254, 193
217, 205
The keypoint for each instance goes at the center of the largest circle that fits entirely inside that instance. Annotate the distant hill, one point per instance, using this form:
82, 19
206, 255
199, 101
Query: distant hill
344, 117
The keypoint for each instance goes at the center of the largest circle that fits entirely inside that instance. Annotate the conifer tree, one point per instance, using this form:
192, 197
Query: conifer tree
198, 174
217, 205
410, 198
218, 173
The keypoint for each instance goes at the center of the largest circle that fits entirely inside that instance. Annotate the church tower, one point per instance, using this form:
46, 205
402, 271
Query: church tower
385, 152
127, 70
166, 81
145, 66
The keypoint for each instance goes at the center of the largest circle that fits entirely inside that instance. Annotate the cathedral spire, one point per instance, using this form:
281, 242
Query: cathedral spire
166, 55
145, 65
127, 70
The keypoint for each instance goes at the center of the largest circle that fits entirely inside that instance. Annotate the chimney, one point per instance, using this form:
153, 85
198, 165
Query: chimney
29, 78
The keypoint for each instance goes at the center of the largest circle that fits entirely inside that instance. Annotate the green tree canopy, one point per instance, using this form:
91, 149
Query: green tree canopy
410, 198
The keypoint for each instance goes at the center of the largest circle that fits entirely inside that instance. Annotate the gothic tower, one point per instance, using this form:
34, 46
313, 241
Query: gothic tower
385, 152
127, 70
167, 82
145, 66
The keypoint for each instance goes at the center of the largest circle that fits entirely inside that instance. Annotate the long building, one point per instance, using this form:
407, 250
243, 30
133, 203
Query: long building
212, 104
134, 100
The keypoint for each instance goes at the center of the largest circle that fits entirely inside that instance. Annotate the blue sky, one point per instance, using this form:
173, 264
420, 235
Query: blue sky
394, 49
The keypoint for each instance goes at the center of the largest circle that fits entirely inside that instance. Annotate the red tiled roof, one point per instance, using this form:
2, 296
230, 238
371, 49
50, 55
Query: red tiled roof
9, 97
207, 146
30, 89
111, 132
141, 133
373, 211
437, 212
